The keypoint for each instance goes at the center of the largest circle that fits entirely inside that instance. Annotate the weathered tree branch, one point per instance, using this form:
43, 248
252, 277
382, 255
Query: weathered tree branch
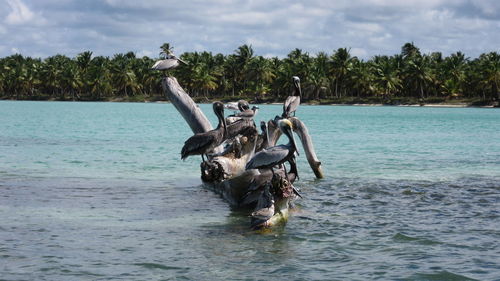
189, 110
300, 129
225, 170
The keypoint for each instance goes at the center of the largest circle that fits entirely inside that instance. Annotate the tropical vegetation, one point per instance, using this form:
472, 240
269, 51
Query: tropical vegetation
337, 77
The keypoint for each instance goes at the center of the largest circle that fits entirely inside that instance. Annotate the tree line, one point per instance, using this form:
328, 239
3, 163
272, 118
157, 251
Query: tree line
409, 76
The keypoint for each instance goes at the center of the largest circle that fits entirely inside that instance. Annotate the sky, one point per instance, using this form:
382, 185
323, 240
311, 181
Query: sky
43, 28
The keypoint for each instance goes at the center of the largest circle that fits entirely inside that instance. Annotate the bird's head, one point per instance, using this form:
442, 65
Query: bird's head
285, 124
243, 105
286, 127
218, 108
296, 83
263, 125
219, 111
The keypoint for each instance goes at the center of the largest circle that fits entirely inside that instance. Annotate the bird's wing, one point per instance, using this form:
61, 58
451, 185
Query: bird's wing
246, 114
197, 142
164, 64
268, 156
290, 105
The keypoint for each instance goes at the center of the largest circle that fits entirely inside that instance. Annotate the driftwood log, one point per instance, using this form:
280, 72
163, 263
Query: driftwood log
225, 170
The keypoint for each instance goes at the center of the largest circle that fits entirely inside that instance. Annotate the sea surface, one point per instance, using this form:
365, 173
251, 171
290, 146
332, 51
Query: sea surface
97, 191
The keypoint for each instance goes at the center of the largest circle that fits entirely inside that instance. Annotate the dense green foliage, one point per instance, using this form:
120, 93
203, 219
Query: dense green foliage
336, 77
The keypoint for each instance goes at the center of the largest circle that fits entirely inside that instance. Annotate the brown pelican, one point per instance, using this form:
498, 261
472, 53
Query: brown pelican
292, 102
248, 113
170, 62
240, 122
265, 209
276, 155
243, 105
293, 173
259, 181
263, 140
240, 105
203, 143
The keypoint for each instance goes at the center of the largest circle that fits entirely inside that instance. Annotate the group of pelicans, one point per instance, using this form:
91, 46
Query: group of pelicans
265, 158
204, 143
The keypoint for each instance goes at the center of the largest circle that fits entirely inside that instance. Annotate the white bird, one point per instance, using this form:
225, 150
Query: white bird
292, 102
170, 62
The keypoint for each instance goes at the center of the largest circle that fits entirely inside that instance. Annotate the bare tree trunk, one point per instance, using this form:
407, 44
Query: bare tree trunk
195, 118
227, 173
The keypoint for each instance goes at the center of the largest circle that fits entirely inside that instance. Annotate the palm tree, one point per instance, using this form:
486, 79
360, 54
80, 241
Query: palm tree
341, 65
317, 81
386, 75
166, 49
243, 55
490, 65
454, 67
262, 74
416, 74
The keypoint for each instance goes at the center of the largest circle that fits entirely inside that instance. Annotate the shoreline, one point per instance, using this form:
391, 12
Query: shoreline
438, 105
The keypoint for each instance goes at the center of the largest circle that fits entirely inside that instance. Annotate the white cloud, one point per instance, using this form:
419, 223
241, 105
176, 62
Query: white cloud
273, 28
359, 52
20, 13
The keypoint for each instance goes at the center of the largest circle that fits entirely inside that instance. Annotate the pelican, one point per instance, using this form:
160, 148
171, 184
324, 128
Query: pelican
292, 102
243, 105
170, 62
203, 143
263, 140
248, 113
276, 155
293, 173
239, 122
265, 209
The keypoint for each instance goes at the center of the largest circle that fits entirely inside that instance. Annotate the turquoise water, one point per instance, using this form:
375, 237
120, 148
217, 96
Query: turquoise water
97, 191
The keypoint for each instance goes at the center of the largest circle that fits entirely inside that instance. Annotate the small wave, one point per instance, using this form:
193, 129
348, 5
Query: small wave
404, 238
442, 275
150, 265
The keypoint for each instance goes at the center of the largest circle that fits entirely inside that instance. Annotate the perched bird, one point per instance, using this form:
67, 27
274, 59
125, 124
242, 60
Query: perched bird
170, 62
263, 139
293, 173
276, 155
248, 113
264, 209
203, 143
243, 105
292, 102
239, 122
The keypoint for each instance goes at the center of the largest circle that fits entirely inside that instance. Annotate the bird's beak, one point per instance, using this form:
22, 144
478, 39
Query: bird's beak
290, 132
182, 61
297, 85
221, 115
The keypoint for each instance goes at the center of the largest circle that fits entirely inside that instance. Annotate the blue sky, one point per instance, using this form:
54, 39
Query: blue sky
42, 28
